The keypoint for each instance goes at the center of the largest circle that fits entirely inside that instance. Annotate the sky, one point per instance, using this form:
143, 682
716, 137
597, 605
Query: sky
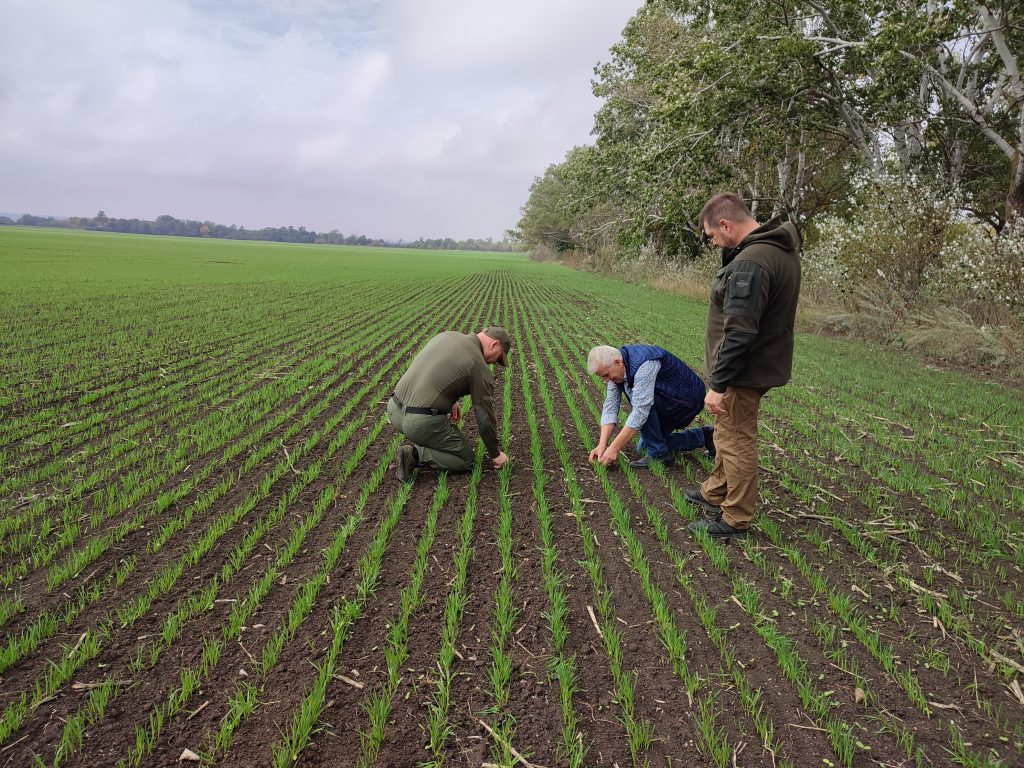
395, 118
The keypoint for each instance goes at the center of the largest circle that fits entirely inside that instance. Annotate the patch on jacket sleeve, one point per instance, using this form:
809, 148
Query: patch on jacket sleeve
742, 292
741, 284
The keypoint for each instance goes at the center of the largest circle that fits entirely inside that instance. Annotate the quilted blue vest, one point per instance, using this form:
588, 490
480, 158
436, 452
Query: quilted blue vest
678, 390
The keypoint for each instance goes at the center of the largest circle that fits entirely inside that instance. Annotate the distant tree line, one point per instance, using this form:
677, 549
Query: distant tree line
169, 225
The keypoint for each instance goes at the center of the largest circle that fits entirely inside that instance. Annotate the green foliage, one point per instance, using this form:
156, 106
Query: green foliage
786, 104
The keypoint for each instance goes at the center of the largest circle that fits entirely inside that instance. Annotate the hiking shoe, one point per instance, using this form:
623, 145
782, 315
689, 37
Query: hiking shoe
694, 496
709, 441
645, 462
718, 529
405, 462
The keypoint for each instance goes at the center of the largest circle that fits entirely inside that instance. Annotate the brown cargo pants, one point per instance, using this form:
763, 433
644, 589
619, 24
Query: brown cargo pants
733, 481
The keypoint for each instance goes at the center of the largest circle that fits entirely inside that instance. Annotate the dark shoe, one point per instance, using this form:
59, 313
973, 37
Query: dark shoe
405, 462
694, 496
718, 529
709, 441
645, 462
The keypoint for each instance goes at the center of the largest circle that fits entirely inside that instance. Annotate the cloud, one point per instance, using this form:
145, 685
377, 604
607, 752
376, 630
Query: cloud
394, 119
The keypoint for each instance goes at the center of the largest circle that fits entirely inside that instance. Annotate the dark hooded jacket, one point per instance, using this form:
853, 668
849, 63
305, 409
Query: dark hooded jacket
752, 310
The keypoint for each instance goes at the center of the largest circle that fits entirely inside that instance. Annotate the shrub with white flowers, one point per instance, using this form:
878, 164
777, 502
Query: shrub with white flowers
911, 237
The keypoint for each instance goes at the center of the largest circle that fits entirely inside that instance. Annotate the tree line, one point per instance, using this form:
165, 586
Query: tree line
169, 225
798, 105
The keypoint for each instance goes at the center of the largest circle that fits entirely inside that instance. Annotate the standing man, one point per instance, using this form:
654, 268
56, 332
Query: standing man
666, 395
749, 349
425, 406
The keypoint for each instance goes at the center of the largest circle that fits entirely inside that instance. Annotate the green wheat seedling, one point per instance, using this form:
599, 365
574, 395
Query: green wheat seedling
378, 706
562, 666
286, 750
204, 600
505, 612
639, 732
322, 365
301, 607
170, 575
191, 677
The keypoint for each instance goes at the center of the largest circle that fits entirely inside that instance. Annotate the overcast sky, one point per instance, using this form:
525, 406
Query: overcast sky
396, 118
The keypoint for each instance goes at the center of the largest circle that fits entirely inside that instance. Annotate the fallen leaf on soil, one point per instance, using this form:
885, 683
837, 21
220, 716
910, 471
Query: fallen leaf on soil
189, 756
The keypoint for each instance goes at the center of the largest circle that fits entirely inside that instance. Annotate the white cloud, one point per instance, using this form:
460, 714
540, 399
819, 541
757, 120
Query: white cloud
395, 118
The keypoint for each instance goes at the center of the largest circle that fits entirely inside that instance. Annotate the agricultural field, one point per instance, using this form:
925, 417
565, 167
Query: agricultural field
204, 546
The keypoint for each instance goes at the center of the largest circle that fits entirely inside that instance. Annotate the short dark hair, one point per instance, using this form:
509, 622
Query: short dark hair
724, 205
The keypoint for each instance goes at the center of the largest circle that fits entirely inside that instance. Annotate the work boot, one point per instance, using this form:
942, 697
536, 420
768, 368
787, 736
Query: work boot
718, 529
694, 496
709, 440
406, 462
646, 462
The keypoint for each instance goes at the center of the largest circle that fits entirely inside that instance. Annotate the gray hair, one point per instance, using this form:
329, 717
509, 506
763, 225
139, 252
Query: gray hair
601, 357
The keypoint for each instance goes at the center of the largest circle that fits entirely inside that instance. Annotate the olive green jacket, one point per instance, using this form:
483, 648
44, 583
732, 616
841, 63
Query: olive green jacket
752, 310
448, 368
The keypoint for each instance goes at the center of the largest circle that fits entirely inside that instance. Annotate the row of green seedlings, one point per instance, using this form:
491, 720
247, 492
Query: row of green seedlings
929, 540
711, 736
896, 463
211, 432
50, 383
750, 698
58, 674
124, 493
125, 418
308, 712
35, 355
205, 501
169, 576
954, 608
204, 601
993, 467
379, 703
252, 411
932, 604
437, 727
144, 384
842, 606
304, 721
640, 733
192, 678
993, 546
505, 612
44, 626
562, 667
243, 702
830, 636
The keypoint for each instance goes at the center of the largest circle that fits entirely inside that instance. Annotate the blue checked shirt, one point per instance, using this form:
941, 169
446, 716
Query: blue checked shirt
641, 396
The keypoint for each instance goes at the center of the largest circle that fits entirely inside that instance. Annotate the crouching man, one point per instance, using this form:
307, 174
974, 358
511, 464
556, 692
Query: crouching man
665, 394
425, 406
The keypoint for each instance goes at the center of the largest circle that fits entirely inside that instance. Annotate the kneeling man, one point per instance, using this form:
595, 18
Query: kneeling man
665, 394
425, 406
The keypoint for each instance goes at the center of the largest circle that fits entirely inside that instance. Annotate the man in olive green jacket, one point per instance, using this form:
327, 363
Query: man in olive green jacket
748, 350
425, 406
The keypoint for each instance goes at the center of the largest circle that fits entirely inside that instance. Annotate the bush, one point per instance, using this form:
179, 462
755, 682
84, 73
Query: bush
909, 269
